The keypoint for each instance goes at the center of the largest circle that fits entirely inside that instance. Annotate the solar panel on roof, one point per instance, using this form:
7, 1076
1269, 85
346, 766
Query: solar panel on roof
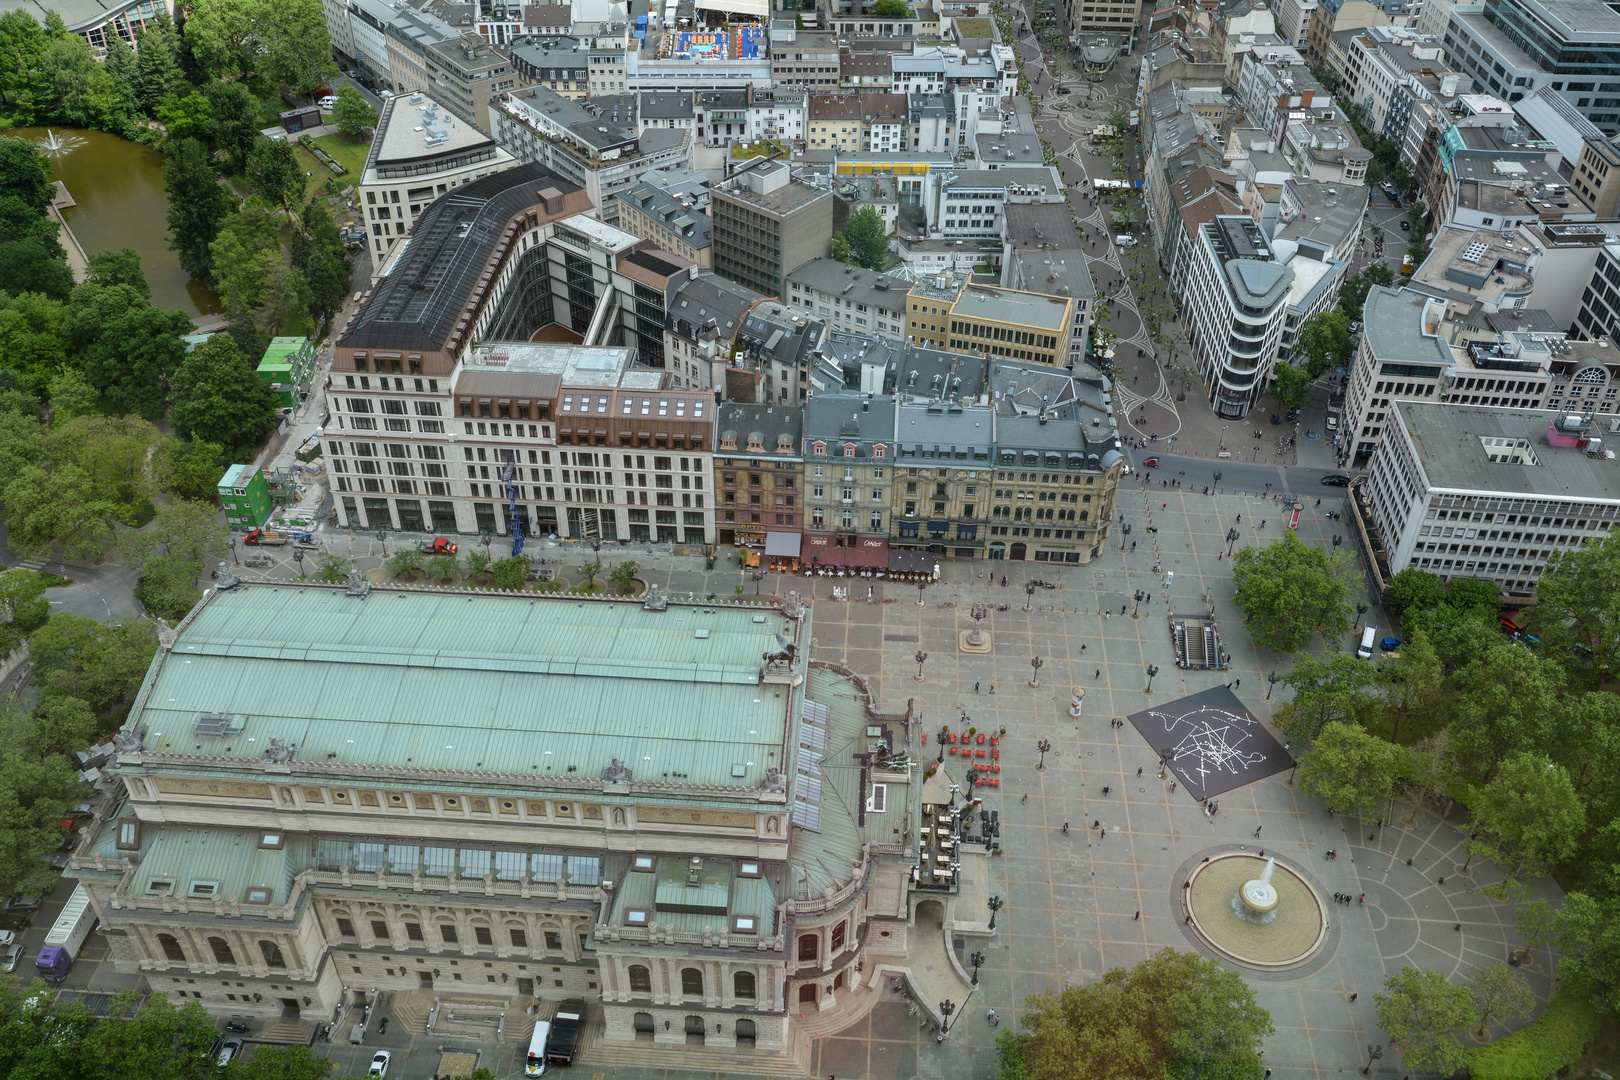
807, 817
815, 711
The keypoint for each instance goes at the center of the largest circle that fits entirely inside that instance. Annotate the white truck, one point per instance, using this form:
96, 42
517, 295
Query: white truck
67, 935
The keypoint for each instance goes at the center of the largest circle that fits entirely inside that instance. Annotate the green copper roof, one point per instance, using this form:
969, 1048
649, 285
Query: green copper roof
439, 680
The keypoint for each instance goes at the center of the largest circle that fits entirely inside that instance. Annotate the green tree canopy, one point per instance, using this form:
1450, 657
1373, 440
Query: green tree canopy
34, 265
276, 174
1505, 703
1289, 590
1348, 770
1324, 342
1353, 293
891, 9
190, 469
1577, 613
101, 663
1413, 685
1327, 689
235, 130
352, 114
58, 512
1501, 994
192, 531
1162, 1018
219, 398
1422, 1012
195, 217
1528, 817
862, 241
1290, 385
1413, 590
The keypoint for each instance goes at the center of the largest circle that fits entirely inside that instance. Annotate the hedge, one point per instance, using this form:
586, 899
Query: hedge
1553, 1044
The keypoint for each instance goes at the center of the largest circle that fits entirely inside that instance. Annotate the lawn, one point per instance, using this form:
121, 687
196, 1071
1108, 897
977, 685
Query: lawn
352, 155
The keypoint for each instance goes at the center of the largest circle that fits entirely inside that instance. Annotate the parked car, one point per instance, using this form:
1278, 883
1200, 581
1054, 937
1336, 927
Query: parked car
1150, 463
1331, 423
1125, 240
230, 1051
13, 955
16, 921
7, 937
1390, 644
1336, 480
327, 102
379, 1064
1406, 226
1064, 90
19, 902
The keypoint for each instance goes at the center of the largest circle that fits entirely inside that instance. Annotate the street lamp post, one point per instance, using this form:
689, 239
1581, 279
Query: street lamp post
1029, 595
1151, 671
1126, 534
920, 657
921, 585
946, 1008
1035, 679
977, 960
1231, 539
995, 904
485, 536
298, 557
1138, 599
1272, 679
979, 611
234, 559
1373, 1054
758, 576
1361, 609
1218, 475
382, 534
1337, 540
1043, 746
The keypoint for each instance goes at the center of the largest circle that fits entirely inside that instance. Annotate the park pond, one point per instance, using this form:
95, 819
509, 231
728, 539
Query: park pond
118, 188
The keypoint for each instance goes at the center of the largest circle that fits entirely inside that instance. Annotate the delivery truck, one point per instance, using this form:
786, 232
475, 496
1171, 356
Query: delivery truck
67, 936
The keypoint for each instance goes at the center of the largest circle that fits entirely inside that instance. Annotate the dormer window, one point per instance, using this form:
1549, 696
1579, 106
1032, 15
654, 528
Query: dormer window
819, 448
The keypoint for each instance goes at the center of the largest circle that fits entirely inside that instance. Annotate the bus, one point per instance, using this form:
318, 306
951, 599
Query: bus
536, 1062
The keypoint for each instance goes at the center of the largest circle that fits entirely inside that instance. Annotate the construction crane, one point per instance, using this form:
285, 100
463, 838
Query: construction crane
508, 469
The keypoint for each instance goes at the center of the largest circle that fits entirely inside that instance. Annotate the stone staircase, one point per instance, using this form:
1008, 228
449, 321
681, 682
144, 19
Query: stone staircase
469, 1017
286, 1028
647, 1057
410, 1009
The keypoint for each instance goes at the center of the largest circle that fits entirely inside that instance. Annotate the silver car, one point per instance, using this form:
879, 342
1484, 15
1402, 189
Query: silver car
13, 956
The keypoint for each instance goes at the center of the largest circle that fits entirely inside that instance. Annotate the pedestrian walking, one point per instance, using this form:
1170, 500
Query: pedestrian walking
1095, 824
1095, 675
1237, 682
1139, 770
992, 688
1354, 996
1138, 916
1257, 829
1102, 834
1172, 787
1361, 899
1082, 646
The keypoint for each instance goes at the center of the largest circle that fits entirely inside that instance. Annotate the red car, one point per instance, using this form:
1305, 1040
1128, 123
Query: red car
1150, 463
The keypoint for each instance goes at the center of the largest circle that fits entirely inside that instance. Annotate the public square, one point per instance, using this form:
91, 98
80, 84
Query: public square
1070, 899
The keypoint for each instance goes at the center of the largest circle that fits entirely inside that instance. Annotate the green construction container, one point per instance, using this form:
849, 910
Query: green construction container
288, 367
245, 496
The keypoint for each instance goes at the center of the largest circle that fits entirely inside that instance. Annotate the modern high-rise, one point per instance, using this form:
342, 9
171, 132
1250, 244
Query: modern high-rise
1514, 47
1237, 291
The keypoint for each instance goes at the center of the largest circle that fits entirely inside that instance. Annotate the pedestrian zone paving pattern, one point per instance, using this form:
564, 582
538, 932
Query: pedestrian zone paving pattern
1211, 741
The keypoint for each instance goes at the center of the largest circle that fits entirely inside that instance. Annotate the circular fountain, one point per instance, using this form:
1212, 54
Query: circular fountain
1256, 912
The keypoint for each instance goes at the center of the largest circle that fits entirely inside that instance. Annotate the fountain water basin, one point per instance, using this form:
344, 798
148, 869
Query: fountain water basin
1255, 911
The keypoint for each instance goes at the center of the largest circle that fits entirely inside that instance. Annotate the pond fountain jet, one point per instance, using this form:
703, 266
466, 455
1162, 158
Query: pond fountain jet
57, 145
1256, 901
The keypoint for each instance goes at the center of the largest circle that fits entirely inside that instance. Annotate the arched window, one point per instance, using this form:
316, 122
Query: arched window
742, 985
272, 954
838, 936
171, 948
222, 951
691, 982
809, 947
640, 980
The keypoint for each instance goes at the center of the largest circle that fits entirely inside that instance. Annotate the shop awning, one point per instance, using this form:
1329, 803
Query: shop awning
821, 549
869, 551
938, 528
911, 562
783, 544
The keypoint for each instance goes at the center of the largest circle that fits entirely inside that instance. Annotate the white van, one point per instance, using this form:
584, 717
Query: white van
1125, 240
327, 102
1368, 637
536, 1062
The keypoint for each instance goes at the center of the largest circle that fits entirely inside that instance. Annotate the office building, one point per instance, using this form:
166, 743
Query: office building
562, 66
1468, 492
275, 848
418, 154
1599, 315
705, 316
1237, 291
1044, 253
465, 74
767, 225
1515, 47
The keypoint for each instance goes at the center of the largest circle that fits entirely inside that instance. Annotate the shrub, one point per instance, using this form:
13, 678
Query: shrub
1552, 1045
